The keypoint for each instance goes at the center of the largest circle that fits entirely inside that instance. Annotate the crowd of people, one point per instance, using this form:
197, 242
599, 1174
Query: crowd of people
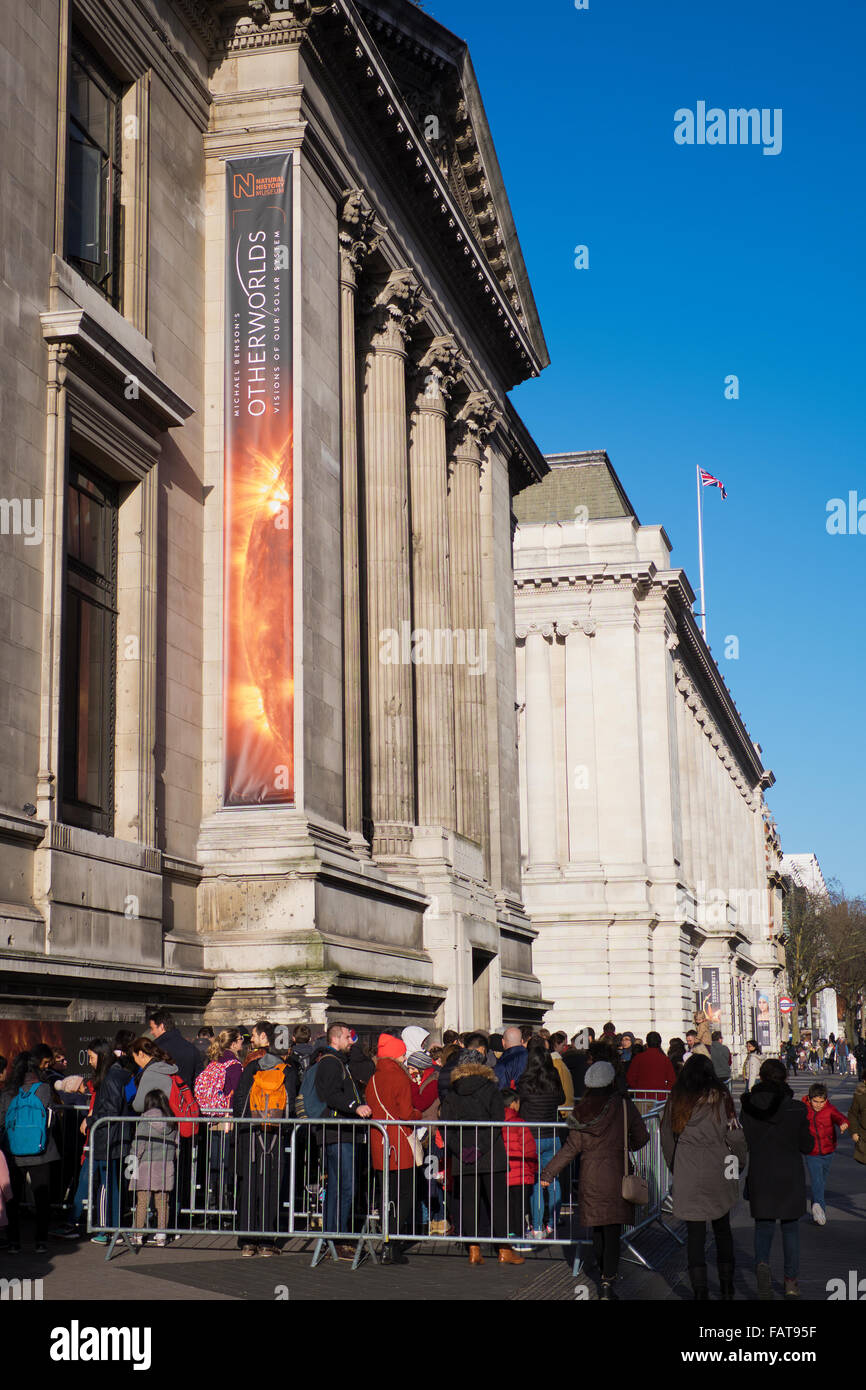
485, 1138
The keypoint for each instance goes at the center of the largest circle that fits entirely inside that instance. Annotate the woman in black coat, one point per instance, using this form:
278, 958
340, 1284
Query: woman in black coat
478, 1158
777, 1132
108, 1142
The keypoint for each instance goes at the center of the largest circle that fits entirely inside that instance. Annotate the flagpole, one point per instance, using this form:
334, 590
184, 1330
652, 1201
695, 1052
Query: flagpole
701, 550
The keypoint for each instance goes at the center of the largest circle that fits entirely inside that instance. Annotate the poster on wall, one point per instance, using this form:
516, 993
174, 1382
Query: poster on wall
762, 1000
709, 996
258, 517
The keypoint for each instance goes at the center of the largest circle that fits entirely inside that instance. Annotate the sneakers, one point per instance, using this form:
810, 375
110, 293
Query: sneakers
68, 1232
136, 1240
160, 1240
267, 1251
819, 1216
99, 1240
41, 1248
248, 1252
792, 1288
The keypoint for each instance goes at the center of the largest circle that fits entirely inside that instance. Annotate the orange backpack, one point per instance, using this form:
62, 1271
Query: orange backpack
268, 1099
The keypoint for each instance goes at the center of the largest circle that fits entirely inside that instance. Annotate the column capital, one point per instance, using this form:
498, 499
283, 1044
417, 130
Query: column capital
474, 423
360, 234
437, 372
395, 309
544, 630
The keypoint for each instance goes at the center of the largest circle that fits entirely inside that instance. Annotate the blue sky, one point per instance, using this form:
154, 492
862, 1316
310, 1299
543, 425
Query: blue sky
705, 262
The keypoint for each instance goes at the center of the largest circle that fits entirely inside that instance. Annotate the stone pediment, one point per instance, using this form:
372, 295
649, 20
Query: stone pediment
433, 71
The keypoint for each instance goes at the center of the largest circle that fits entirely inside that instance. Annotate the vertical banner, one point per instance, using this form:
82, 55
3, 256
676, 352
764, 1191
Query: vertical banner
258, 708
762, 1000
710, 995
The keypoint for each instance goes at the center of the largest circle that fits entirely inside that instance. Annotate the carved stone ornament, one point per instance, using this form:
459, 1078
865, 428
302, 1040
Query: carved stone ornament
438, 371
397, 308
476, 420
360, 233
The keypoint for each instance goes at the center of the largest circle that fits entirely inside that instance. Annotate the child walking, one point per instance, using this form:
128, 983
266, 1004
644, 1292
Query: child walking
153, 1171
824, 1119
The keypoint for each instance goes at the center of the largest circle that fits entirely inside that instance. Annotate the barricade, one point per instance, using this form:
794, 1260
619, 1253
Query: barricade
376, 1185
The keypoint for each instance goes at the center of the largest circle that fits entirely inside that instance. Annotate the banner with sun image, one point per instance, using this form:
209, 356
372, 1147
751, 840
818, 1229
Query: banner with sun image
258, 646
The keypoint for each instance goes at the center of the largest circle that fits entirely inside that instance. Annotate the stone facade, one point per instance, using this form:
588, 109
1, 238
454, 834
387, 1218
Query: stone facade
647, 848
390, 889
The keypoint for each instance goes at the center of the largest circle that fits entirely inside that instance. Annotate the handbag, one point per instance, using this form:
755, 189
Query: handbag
415, 1147
635, 1189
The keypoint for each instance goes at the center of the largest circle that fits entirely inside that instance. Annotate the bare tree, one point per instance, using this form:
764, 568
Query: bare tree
806, 947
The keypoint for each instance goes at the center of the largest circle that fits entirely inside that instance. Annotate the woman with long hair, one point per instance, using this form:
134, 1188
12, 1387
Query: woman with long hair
105, 1144
28, 1144
705, 1149
541, 1093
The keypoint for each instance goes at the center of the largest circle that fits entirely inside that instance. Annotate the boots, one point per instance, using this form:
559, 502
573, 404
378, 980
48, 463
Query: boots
764, 1277
475, 1256
726, 1281
698, 1276
606, 1292
508, 1257
792, 1288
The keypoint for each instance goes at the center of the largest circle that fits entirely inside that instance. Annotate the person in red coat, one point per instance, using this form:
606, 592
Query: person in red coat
823, 1121
389, 1096
651, 1070
522, 1154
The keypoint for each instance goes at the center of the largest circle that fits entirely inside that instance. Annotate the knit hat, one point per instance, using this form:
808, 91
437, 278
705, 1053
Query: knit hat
414, 1037
598, 1075
420, 1061
68, 1083
389, 1046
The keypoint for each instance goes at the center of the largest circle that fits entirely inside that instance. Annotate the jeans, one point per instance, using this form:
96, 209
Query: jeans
764, 1233
339, 1189
819, 1167
80, 1192
547, 1147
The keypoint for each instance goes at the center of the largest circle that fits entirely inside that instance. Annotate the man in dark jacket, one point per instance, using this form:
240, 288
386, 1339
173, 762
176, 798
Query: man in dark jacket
512, 1063
337, 1088
777, 1132
186, 1056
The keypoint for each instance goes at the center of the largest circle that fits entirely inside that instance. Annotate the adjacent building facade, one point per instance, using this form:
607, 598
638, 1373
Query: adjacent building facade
230, 793
650, 860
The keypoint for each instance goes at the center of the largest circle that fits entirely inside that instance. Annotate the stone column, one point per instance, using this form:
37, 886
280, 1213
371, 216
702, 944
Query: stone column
540, 761
358, 238
475, 421
395, 310
434, 672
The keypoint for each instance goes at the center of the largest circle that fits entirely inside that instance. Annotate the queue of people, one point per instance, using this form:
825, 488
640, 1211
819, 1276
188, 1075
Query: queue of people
469, 1133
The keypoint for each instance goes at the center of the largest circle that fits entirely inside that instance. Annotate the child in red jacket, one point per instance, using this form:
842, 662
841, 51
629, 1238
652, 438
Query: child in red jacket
522, 1166
823, 1121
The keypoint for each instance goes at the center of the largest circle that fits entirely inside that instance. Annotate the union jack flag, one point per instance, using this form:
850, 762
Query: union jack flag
709, 481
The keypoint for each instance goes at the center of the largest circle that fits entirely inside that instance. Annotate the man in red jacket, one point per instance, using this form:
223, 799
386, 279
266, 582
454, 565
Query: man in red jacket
651, 1070
823, 1120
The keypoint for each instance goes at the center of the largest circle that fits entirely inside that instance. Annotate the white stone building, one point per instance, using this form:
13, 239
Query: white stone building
650, 862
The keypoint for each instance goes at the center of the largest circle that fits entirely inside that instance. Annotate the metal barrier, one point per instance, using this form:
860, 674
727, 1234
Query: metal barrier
376, 1185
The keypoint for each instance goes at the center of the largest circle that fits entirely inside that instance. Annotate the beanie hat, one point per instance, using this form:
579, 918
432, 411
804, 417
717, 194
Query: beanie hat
414, 1037
389, 1046
68, 1083
598, 1075
420, 1061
